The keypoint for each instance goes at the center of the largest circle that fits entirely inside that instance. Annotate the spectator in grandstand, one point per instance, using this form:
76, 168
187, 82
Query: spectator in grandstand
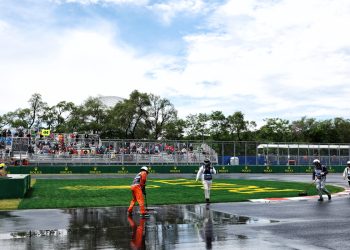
138, 189
25, 162
206, 172
3, 171
77, 138
133, 147
346, 173
319, 176
20, 133
30, 150
156, 149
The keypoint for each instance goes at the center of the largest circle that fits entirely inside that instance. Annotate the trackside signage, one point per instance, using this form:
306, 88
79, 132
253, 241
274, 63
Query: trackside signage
163, 169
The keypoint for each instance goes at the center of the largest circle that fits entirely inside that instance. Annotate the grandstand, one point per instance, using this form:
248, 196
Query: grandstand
87, 149
33, 148
303, 154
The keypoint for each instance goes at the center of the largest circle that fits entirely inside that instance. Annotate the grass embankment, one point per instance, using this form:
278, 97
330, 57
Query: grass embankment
116, 192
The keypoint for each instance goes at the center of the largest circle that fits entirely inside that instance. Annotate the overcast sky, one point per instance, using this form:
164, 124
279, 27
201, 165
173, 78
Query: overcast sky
277, 58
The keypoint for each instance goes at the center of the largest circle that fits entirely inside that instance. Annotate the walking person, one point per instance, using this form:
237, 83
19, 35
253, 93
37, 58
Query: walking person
206, 172
319, 176
346, 173
138, 190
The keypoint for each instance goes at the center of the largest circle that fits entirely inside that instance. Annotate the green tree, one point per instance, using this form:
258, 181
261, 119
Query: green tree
18, 118
63, 111
312, 131
197, 126
48, 117
237, 125
130, 117
37, 107
160, 113
94, 114
218, 125
342, 129
174, 130
275, 130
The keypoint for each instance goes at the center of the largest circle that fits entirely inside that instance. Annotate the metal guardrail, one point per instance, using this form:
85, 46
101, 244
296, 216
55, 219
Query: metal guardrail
121, 159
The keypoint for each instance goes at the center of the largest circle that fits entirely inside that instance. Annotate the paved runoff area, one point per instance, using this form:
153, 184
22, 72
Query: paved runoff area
299, 223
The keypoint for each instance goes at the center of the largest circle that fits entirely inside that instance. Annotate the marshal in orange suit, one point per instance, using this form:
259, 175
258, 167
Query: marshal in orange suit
138, 189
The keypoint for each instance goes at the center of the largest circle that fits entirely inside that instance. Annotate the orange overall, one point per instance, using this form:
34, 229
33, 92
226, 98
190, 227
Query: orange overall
136, 189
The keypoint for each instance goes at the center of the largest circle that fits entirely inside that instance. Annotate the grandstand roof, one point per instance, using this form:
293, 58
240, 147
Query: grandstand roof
305, 146
110, 101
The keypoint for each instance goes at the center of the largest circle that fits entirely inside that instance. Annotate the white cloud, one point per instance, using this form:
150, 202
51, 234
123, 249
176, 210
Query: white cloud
168, 10
86, 2
304, 43
282, 59
3, 26
71, 66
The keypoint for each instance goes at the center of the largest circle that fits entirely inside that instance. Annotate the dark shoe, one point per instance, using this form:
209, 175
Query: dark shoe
329, 197
146, 215
129, 213
320, 199
207, 201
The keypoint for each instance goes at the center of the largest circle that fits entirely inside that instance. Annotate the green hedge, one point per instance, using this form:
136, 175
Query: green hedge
169, 169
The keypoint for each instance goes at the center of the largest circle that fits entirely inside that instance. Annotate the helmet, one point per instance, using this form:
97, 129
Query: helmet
348, 162
316, 161
144, 168
2, 165
206, 160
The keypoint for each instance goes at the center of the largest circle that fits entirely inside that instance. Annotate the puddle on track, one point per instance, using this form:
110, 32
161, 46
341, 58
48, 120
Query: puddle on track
110, 228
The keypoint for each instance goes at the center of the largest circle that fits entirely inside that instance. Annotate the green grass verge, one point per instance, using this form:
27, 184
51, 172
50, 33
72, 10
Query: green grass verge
116, 192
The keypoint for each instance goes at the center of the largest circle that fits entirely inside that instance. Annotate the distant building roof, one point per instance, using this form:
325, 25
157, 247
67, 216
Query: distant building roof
110, 101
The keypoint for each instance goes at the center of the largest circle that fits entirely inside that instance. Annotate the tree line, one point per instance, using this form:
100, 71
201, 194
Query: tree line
148, 116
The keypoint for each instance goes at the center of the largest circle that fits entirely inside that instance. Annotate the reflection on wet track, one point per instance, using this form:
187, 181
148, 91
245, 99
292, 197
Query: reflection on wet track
168, 227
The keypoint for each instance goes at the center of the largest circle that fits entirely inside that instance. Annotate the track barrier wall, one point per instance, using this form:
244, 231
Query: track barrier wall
15, 186
168, 169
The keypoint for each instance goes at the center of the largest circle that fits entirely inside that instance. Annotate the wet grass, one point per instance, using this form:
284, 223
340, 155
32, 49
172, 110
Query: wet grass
116, 192
9, 204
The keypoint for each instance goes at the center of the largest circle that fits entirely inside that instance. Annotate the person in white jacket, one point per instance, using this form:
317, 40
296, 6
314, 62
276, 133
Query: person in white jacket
206, 172
346, 173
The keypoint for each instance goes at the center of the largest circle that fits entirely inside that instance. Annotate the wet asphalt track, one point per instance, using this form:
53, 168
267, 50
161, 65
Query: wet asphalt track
277, 225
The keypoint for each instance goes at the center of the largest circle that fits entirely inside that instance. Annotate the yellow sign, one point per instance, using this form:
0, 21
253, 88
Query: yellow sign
289, 170
246, 170
35, 171
223, 170
150, 170
267, 170
95, 171
175, 170
123, 171
309, 170
45, 132
331, 170
66, 171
